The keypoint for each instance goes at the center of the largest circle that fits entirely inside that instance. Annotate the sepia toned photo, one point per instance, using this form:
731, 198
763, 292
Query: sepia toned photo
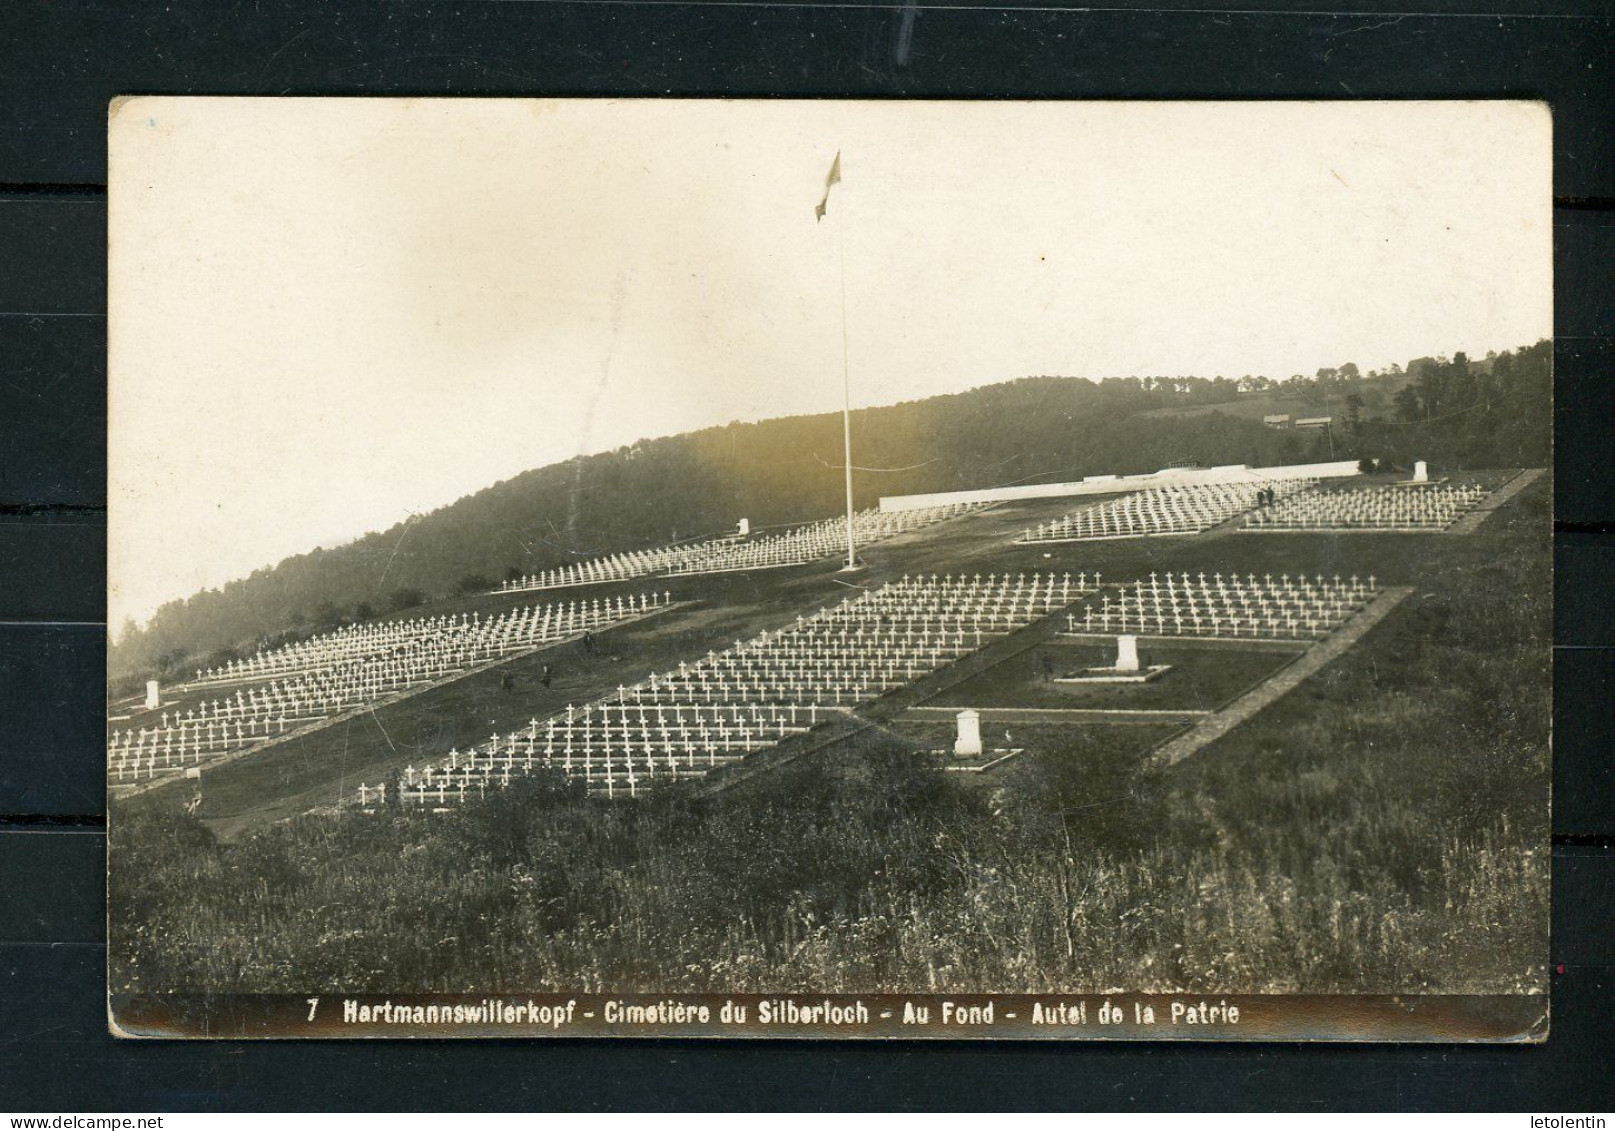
659, 567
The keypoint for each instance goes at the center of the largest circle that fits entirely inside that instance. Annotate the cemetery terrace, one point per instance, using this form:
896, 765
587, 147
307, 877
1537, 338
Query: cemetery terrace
1231, 607
1420, 507
325, 676
1160, 511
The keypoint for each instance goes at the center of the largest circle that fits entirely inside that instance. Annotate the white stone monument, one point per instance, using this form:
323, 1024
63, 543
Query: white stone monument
153, 698
743, 528
1421, 473
1126, 669
968, 744
1127, 653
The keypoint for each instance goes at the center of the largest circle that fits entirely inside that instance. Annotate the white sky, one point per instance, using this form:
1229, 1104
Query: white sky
328, 314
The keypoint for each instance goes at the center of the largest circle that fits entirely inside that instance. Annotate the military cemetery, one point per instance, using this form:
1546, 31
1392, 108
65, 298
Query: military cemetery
1095, 653
789, 749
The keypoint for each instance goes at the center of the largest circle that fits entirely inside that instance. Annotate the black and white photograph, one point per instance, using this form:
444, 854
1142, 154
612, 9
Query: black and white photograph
829, 568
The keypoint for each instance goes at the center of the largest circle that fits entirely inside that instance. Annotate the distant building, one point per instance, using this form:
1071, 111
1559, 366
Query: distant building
1279, 420
1313, 421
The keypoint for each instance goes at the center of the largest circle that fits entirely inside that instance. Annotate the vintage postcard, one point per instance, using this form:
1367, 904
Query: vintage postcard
654, 567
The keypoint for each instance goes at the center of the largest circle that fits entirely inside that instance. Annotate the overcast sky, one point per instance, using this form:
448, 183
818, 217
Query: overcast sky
329, 314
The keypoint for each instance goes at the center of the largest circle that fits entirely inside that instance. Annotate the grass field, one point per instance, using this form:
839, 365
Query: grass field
1087, 772
1380, 829
1200, 679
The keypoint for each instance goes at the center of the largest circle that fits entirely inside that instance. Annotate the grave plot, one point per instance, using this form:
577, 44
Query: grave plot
1178, 653
820, 540
414, 654
684, 723
1229, 607
1161, 511
318, 653
1198, 678
1088, 770
1400, 508
614, 567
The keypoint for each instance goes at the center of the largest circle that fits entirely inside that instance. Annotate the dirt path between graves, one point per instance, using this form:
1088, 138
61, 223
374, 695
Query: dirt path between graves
1211, 728
1471, 521
1055, 715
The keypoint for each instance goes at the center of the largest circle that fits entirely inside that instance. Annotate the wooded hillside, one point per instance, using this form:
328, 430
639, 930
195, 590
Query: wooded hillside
1037, 429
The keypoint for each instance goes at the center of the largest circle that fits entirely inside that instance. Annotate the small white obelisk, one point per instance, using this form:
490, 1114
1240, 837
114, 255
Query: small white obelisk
1127, 653
968, 744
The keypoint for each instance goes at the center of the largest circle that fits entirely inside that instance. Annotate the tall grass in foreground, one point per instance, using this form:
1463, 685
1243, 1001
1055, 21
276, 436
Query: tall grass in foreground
899, 879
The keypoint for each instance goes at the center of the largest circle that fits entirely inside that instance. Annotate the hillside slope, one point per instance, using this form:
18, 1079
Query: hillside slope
784, 471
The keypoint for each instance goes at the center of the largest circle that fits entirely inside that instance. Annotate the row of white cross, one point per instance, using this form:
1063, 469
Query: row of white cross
613, 567
686, 722
820, 540
443, 647
327, 649
795, 547
674, 741
1432, 507
1267, 607
1161, 510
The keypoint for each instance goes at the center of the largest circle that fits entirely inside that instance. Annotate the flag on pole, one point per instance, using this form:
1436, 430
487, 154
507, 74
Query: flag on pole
833, 179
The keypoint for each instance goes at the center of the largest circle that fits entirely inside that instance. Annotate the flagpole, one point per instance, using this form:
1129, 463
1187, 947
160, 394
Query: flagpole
846, 379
